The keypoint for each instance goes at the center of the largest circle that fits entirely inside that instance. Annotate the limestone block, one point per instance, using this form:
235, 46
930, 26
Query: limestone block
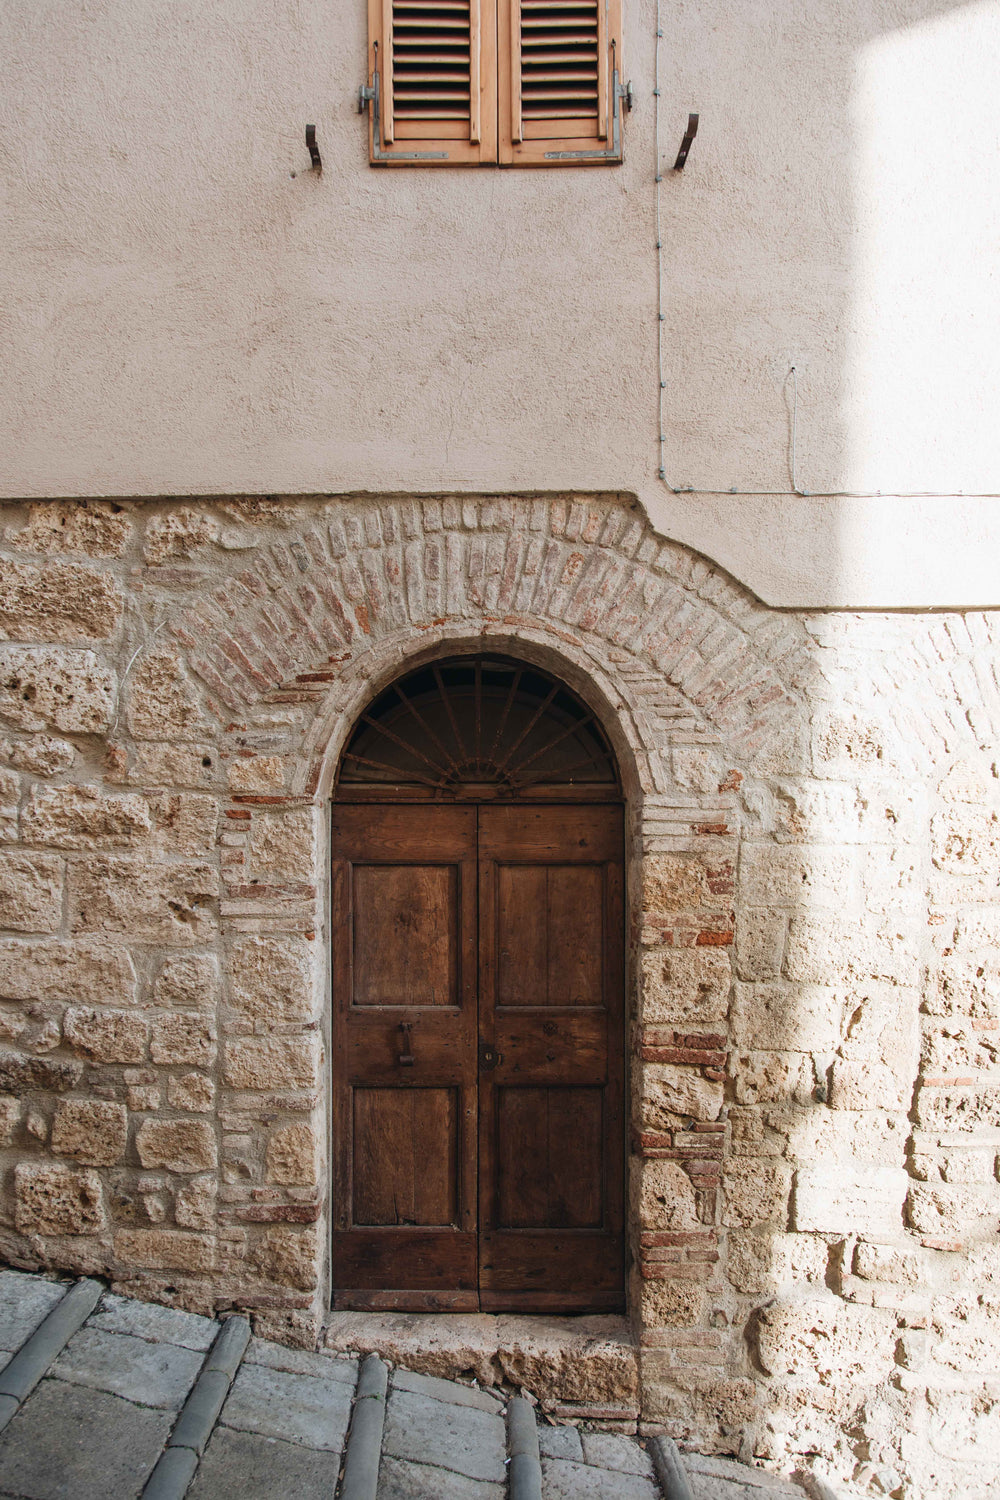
191, 981
86, 528
31, 887
883, 1023
672, 1304
106, 1036
84, 817
796, 876
823, 1338
58, 602
90, 1130
760, 943
755, 1191
177, 1145
261, 510
81, 970
259, 773
772, 1077
42, 686
10, 796
289, 1257
847, 745
752, 1134
272, 1062
891, 879
697, 768
666, 1197
55, 1199
970, 1166
162, 701
183, 1039
45, 755
967, 1433
869, 1137
669, 1091
191, 1091
10, 1114
811, 812
674, 883
843, 1198
292, 1156
195, 1203
868, 1085
966, 841
958, 1108
685, 987
782, 1017
152, 903
838, 950
179, 533
946, 1212
967, 1346
761, 1263
185, 822
159, 763
271, 979
969, 781
957, 1049
283, 845
19, 1074
165, 1249
891, 1263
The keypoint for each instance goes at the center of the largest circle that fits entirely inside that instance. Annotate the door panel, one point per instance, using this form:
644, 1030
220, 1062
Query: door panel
405, 935
405, 1045
549, 1158
478, 1033
406, 1156
553, 926
551, 1110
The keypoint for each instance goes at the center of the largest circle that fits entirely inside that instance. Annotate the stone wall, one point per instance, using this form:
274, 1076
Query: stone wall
814, 933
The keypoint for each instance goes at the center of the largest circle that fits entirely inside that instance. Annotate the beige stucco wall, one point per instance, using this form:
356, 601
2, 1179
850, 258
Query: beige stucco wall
183, 316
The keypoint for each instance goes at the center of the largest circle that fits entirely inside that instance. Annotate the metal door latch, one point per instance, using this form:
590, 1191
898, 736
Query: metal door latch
405, 1058
489, 1057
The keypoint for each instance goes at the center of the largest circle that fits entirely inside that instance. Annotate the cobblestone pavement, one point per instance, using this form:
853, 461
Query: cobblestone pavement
102, 1398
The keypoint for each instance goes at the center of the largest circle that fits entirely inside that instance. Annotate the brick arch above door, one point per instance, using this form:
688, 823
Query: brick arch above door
360, 582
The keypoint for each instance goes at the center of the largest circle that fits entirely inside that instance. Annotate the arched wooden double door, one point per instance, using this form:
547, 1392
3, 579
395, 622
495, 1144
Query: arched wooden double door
478, 1027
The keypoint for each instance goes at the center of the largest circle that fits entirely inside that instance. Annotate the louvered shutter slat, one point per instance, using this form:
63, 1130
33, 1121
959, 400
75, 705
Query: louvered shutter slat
431, 66
552, 82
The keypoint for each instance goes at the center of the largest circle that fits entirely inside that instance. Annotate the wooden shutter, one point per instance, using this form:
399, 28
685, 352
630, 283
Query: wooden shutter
559, 66
433, 64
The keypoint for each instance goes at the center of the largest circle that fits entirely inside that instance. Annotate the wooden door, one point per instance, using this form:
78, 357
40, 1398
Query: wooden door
551, 1111
478, 1048
405, 1057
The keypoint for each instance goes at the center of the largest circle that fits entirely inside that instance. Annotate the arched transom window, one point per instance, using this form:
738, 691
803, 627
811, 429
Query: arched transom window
478, 728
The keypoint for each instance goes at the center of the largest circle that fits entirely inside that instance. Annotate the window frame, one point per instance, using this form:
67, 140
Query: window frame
496, 135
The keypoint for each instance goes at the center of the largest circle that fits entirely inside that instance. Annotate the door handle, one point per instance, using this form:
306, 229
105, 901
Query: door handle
489, 1057
405, 1058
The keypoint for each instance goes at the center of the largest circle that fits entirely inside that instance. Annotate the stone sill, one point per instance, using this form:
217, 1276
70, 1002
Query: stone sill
585, 1368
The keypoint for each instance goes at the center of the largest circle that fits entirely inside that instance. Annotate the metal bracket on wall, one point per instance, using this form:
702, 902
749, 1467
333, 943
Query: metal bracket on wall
316, 161
689, 136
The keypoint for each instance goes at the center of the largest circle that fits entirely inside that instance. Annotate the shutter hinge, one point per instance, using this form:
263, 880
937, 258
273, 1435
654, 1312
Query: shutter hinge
369, 94
621, 95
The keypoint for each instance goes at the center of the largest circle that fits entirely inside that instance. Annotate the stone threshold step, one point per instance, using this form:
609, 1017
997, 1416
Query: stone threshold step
584, 1367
